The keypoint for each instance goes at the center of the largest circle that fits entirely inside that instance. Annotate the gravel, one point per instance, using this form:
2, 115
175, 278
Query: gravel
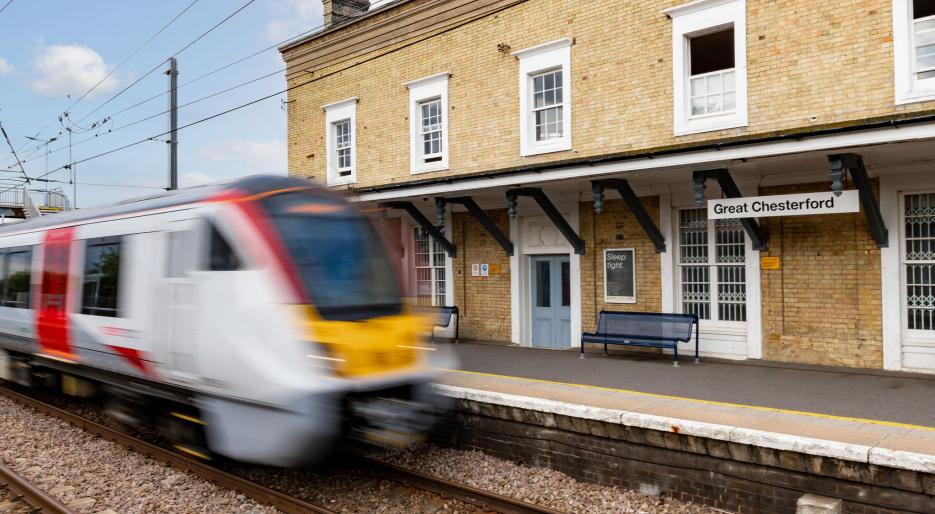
91, 475
540, 486
335, 485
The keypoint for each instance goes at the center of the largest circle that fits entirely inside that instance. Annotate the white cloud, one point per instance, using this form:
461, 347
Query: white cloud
5, 67
70, 69
243, 156
293, 17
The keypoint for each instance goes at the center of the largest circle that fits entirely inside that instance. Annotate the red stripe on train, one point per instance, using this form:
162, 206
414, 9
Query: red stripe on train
51, 306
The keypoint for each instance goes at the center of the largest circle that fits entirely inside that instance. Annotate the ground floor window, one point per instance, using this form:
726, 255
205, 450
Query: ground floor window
919, 260
429, 267
712, 266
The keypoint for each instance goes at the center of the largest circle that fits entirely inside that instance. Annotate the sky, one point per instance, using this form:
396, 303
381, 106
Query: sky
53, 51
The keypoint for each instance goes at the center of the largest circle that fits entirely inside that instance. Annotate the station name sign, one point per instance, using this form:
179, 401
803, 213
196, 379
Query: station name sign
784, 205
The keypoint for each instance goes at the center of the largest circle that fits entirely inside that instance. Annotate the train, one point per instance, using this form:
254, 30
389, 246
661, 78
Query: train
260, 320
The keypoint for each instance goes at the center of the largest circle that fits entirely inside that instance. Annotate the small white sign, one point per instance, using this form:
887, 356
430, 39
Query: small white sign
784, 205
475, 270
485, 270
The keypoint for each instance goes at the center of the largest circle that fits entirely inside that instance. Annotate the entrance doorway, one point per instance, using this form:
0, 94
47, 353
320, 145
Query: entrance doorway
551, 301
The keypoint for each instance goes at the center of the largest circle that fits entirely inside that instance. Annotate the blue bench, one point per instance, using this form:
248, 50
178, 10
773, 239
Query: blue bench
658, 330
443, 319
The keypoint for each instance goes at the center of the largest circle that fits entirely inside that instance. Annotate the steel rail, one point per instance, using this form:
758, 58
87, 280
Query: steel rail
257, 492
30, 494
477, 497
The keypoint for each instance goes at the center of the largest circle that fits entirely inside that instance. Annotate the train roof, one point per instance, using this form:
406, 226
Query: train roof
249, 185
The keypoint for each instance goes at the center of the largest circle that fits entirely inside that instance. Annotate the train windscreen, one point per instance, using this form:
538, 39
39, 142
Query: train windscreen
338, 255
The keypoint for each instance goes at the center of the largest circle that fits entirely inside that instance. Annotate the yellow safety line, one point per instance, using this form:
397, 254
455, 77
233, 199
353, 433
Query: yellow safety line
189, 418
706, 402
191, 452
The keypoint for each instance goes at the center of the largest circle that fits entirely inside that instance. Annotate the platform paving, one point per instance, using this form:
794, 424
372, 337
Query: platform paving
906, 398
886, 420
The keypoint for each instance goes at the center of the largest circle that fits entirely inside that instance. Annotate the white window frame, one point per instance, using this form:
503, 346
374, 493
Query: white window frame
909, 89
426, 89
696, 19
534, 61
712, 265
434, 250
345, 110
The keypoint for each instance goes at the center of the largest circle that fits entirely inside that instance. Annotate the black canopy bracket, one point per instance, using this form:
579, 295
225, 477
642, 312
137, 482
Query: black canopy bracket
756, 233
636, 207
549, 208
481, 218
426, 225
838, 164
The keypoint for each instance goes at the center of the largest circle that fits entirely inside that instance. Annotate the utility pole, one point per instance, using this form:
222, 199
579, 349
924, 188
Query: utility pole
173, 74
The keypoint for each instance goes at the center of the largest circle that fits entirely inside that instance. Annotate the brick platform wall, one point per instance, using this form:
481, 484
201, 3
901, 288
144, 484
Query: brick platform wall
824, 305
485, 309
616, 227
736, 477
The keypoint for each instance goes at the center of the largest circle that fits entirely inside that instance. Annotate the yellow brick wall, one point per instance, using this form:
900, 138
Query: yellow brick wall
616, 227
810, 64
485, 309
824, 305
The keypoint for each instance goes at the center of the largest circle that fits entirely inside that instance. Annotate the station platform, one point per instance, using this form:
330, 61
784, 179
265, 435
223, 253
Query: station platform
877, 418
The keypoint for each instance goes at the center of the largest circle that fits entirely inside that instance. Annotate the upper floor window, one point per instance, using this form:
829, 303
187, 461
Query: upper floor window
709, 65
914, 44
712, 82
341, 154
428, 115
545, 97
547, 105
101, 285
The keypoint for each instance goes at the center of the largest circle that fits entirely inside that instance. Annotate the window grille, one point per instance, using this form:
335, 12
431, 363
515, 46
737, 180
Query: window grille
712, 258
342, 147
547, 105
431, 129
429, 265
919, 260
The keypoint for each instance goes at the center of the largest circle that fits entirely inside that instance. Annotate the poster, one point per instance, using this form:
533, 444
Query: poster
619, 276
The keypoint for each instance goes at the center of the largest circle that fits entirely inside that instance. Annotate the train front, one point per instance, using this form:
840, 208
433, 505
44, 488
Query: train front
367, 362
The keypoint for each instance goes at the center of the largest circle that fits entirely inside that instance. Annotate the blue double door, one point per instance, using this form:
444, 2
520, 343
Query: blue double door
551, 301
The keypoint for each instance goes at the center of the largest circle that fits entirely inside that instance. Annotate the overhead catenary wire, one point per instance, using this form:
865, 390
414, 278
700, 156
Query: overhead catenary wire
158, 66
441, 30
233, 63
6, 5
217, 93
132, 54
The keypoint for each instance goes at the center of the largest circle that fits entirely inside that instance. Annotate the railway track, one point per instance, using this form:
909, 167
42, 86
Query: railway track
482, 499
19, 495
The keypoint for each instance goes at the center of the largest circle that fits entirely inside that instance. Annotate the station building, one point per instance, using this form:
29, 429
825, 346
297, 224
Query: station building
765, 165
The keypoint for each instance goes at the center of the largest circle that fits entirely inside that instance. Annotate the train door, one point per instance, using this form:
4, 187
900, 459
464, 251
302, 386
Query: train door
52, 309
176, 307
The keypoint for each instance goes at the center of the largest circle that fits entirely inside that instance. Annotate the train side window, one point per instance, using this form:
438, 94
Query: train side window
221, 256
181, 250
100, 288
17, 271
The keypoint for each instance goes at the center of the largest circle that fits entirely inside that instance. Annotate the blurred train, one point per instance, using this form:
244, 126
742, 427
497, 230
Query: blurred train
260, 320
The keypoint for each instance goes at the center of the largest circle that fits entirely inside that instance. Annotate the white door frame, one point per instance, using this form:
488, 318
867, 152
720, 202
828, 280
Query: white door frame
892, 190
670, 203
520, 285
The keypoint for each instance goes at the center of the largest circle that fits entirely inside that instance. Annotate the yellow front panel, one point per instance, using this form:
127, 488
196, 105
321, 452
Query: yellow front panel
372, 346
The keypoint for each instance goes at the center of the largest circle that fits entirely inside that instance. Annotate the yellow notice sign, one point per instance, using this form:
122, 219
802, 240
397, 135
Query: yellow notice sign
494, 269
770, 263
